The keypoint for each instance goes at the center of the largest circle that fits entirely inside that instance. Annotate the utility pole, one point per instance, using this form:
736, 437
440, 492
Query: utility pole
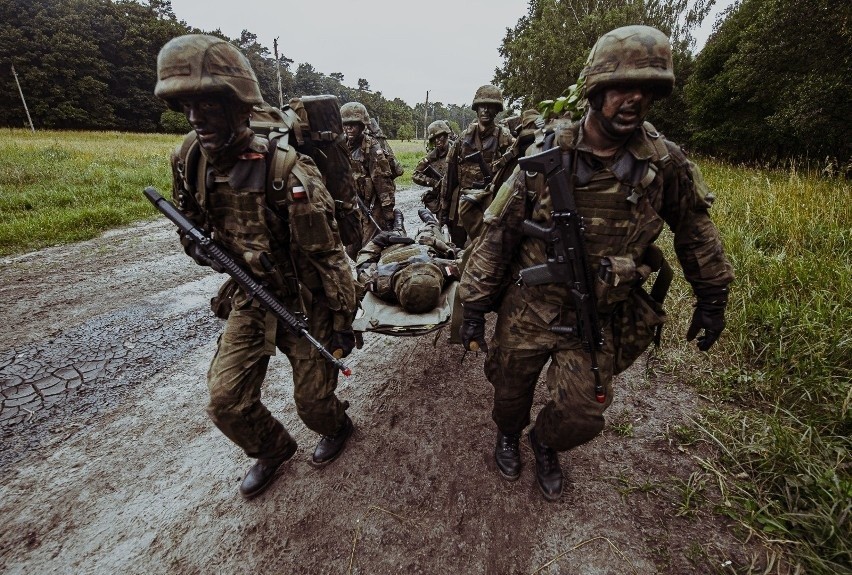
425, 117
278, 73
21, 92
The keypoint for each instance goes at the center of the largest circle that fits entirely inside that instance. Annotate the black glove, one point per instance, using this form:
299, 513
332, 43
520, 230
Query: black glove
342, 343
472, 330
387, 237
194, 251
709, 315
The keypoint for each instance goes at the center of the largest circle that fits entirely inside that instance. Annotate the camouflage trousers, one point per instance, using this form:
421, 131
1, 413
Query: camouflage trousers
239, 367
522, 345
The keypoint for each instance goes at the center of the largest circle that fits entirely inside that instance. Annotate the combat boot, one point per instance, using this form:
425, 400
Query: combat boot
330, 446
427, 216
507, 455
261, 474
548, 473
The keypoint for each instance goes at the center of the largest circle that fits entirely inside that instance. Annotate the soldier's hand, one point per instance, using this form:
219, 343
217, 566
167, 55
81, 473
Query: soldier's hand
388, 237
709, 315
194, 251
472, 331
342, 343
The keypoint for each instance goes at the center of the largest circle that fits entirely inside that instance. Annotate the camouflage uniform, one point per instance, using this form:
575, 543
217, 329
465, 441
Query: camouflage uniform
382, 265
298, 254
372, 172
468, 182
624, 205
437, 159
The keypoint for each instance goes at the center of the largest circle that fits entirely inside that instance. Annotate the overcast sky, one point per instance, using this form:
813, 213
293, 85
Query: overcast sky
403, 49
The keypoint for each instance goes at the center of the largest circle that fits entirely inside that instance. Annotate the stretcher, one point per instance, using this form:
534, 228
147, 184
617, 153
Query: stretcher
386, 318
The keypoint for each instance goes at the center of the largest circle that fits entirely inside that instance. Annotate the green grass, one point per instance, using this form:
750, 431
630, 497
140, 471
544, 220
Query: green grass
778, 380
60, 187
780, 376
409, 153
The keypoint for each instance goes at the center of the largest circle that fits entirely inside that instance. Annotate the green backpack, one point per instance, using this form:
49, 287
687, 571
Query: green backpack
311, 125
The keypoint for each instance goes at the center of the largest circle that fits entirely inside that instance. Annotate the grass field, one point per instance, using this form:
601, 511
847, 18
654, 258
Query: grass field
778, 380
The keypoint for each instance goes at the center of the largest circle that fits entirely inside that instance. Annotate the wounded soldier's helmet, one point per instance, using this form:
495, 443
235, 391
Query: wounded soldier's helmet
418, 287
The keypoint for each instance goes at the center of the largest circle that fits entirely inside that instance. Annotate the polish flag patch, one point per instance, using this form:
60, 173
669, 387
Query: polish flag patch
299, 193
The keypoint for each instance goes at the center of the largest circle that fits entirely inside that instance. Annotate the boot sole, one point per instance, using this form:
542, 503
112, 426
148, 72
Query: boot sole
510, 478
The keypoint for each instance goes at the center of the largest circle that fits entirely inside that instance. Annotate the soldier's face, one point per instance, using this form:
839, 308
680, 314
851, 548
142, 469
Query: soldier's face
208, 118
353, 130
624, 109
486, 113
440, 142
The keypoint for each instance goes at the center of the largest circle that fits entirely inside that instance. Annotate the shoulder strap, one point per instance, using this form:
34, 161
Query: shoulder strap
281, 162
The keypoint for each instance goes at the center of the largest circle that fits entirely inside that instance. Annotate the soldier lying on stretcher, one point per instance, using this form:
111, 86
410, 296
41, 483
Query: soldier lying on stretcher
410, 272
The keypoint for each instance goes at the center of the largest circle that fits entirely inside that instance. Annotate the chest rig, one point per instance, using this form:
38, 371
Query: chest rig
615, 203
244, 208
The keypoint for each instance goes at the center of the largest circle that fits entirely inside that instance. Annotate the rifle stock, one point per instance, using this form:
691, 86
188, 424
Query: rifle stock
294, 324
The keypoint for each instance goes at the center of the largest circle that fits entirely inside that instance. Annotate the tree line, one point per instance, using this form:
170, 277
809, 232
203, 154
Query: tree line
772, 82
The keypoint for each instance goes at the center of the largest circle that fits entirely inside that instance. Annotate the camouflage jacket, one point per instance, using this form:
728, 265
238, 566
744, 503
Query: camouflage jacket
437, 160
469, 175
377, 265
623, 205
301, 248
373, 175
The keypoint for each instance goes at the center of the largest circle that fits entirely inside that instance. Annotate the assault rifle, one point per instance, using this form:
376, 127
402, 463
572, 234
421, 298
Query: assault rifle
368, 213
430, 171
483, 167
567, 262
294, 323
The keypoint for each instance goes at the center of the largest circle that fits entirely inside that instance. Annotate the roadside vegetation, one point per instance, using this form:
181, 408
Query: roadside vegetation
778, 382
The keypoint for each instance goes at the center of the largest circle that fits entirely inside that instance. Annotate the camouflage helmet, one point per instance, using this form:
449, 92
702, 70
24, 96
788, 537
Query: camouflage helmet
438, 128
488, 94
418, 287
630, 54
354, 113
196, 64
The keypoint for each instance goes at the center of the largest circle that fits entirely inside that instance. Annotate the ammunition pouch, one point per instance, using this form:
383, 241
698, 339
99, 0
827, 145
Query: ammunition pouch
223, 302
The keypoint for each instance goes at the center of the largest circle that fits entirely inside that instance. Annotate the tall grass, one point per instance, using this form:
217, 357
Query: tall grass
785, 362
59, 187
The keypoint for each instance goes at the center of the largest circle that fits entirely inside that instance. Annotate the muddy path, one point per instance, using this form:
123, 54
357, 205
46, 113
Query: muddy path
110, 465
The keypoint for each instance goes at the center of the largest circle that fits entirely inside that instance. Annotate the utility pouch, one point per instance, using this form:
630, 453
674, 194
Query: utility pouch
636, 323
223, 302
616, 278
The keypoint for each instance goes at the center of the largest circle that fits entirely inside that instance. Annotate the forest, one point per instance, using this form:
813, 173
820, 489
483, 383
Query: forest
770, 85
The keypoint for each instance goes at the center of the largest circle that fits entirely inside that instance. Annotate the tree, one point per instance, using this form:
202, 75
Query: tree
546, 51
774, 81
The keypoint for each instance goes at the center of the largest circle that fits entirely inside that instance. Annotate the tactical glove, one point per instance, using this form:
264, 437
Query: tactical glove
472, 330
194, 251
342, 343
386, 238
709, 315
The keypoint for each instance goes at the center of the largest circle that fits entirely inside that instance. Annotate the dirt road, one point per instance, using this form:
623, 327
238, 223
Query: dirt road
110, 465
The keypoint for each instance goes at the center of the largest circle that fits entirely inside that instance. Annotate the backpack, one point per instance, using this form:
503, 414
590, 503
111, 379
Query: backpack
375, 131
311, 125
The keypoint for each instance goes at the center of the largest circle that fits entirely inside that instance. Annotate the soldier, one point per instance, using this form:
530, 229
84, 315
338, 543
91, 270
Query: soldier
409, 271
439, 133
467, 173
371, 170
220, 176
627, 181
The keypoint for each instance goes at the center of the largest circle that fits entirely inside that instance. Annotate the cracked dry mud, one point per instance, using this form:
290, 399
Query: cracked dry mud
110, 465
